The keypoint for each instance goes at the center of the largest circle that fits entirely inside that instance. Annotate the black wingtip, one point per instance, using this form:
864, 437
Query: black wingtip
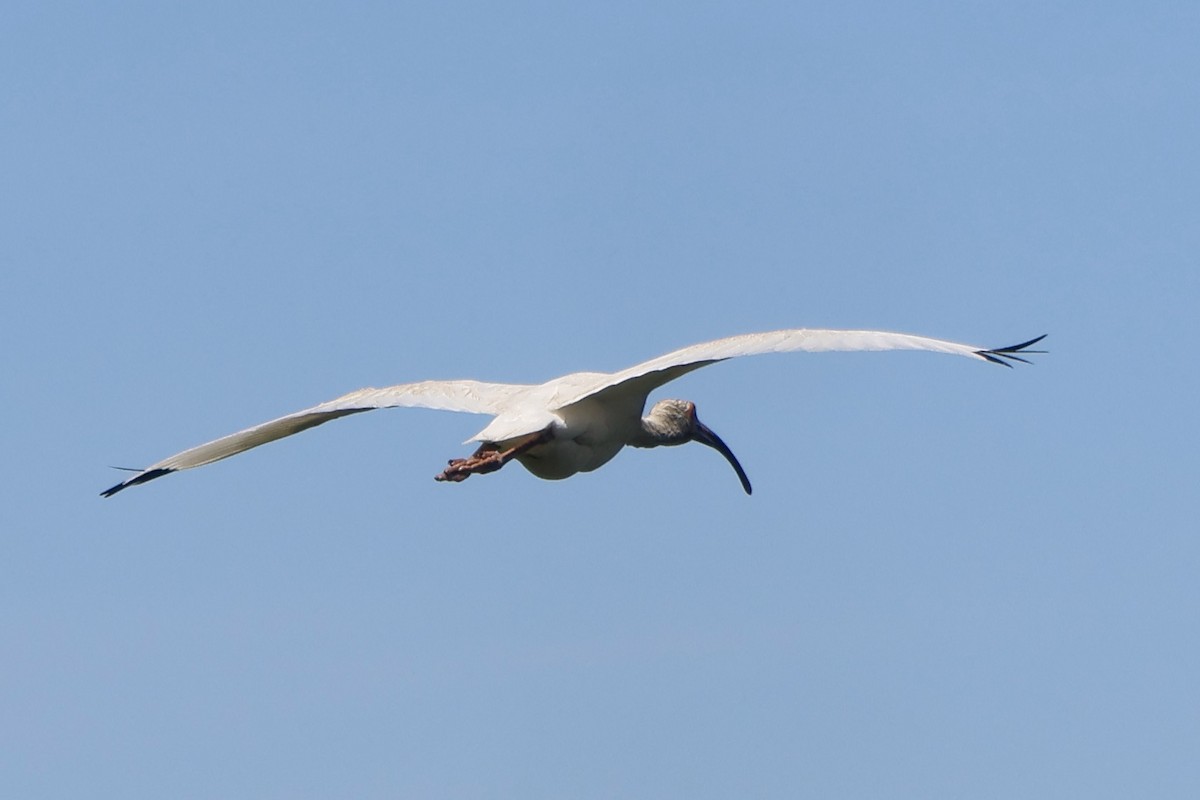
1004, 355
149, 475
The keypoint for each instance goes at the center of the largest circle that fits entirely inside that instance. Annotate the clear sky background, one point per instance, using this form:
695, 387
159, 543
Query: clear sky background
953, 580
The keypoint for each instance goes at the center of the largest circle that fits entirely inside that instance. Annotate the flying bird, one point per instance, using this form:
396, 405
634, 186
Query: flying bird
578, 422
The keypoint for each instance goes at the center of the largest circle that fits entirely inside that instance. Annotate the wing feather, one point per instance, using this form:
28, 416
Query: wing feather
472, 397
651, 374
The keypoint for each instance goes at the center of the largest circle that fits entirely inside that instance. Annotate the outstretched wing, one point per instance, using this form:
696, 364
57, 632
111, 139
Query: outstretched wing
649, 375
472, 397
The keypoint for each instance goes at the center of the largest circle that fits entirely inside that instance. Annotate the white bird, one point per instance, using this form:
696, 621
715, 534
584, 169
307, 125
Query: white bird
578, 422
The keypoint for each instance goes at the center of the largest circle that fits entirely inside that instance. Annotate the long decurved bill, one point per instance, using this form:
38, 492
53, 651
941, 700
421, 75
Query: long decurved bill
705, 435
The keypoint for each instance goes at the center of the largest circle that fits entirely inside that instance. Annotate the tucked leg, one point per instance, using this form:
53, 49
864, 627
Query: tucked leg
489, 458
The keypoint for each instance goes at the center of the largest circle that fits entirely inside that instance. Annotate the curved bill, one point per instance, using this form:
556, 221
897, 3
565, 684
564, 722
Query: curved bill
704, 435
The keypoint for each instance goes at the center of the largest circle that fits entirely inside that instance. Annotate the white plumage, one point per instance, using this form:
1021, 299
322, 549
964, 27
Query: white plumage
578, 422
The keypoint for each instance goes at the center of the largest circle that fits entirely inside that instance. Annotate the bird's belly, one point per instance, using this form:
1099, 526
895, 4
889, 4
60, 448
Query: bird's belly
562, 458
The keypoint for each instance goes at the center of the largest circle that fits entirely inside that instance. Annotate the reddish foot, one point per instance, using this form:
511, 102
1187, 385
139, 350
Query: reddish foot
488, 459
462, 468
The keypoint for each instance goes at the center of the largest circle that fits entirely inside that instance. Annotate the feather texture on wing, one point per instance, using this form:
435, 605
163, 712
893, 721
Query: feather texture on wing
473, 397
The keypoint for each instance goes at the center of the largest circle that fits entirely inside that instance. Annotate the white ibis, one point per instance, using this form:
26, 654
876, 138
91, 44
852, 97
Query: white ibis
578, 422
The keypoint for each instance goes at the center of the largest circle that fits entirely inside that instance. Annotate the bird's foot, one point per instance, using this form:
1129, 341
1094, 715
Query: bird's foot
455, 473
462, 468
488, 458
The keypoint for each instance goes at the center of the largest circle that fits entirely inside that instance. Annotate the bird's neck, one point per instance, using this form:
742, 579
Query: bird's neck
656, 431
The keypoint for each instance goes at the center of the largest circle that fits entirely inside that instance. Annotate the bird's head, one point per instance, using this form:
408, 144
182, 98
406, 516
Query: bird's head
672, 422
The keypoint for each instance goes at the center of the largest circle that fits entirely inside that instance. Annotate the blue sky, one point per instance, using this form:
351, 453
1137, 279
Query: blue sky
952, 580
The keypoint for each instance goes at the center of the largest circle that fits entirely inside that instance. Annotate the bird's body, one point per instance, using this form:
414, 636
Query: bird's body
586, 436
575, 423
